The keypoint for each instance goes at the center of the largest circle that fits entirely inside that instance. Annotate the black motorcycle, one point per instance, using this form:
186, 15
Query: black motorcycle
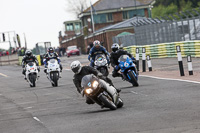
101, 92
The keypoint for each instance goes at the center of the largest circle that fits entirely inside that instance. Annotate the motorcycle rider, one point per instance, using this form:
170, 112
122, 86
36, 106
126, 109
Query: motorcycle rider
80, 71
28, 57
51, 55
114, 56
95, 50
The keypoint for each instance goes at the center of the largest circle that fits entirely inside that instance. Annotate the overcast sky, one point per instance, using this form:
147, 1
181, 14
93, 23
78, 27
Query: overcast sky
40, 20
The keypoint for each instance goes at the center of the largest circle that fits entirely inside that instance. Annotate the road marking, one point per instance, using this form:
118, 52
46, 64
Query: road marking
68, 69
190, 81
134, 92
37, 119
3, 75
28, 108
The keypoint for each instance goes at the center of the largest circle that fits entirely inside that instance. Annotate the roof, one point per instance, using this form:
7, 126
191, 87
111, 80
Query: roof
130, 23
124, 33
102, 5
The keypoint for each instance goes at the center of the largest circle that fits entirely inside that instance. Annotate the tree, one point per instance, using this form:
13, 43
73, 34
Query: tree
77, 6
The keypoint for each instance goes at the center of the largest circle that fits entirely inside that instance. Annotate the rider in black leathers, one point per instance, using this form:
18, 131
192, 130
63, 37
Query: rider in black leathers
28, 57
81, 71
114, 56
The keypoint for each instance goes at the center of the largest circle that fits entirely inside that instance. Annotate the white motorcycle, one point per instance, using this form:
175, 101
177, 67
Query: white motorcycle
31, 73
101, 64
53, 72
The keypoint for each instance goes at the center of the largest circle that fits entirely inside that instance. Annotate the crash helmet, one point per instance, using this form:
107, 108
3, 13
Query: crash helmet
115, 47
50, 51
76, 67
28, 53
97, 44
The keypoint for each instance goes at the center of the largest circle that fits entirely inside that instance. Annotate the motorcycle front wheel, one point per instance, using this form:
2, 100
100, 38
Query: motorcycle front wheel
133, 79
107, 102
32, 78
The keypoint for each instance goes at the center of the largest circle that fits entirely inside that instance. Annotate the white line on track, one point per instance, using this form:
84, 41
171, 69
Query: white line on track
68, 69
3, 75
37, 119
134, 92
190, 81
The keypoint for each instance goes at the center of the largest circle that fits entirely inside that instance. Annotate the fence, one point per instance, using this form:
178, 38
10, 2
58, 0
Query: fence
169, 29
168, 49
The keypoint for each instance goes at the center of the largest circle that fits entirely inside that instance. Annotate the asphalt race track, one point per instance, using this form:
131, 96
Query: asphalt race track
156, 106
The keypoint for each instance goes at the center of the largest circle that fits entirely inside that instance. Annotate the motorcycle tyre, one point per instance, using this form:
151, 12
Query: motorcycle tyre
107, 102
133, 79
32, 80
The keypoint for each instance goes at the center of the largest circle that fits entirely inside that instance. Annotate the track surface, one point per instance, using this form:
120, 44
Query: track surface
156, 106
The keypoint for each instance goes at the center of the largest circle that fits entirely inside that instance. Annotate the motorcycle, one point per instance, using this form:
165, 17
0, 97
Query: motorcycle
101, 92
101, 64
53, 72
31, 73
128, 69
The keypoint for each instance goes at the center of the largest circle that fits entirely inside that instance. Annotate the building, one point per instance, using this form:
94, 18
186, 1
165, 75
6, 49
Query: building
71, 29
108, 13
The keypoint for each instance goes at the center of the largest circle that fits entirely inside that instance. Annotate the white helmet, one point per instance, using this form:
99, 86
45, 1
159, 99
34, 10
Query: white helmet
76, 67
115, 47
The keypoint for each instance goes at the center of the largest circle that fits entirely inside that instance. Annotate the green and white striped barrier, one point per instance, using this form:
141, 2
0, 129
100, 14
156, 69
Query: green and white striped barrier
168, 49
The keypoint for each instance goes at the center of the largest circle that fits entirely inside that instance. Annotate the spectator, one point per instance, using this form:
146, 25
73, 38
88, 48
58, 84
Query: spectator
7, 53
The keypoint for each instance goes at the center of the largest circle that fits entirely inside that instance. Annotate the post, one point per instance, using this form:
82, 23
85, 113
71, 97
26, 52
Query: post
149, 63
143, 60
189, 60
137, 58
180, 62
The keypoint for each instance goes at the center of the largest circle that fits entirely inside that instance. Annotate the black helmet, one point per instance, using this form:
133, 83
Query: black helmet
115, 47
50, 51
76, 67
97, 44
28, 53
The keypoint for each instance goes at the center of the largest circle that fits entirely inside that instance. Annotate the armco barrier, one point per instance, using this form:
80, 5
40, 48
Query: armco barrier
168, 49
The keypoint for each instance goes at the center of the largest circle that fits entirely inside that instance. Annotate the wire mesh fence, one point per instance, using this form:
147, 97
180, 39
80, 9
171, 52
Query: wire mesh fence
154, 31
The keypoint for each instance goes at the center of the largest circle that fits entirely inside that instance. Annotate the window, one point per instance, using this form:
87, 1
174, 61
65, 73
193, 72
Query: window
77, 26
125, 15
100, 18
139, 12
109, 17
70, 27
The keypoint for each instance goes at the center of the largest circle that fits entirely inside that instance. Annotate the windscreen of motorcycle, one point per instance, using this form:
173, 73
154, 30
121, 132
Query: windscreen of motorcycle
123, 58
100, 60
30, 63
87, 80
52, 61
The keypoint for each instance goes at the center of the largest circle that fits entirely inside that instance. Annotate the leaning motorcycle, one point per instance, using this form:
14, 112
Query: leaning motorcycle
101, 92
31, 73
53, 72
128, 69
101, 64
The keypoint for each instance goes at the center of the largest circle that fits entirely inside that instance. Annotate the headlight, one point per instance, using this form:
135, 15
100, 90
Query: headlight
95, 84
89, 90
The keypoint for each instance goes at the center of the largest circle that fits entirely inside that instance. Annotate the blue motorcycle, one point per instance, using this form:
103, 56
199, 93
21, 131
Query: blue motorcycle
128, 69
